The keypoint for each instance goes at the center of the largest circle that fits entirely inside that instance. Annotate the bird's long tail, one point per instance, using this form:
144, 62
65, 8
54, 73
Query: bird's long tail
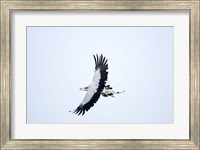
119, 92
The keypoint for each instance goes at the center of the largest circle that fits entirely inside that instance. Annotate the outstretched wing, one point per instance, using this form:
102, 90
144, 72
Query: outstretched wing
96, 86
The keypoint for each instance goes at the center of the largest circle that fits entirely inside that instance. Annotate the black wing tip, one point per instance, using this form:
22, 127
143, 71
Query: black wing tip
79, 111
100, 60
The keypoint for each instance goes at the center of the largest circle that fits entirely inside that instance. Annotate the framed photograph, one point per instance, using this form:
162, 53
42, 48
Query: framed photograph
99, 74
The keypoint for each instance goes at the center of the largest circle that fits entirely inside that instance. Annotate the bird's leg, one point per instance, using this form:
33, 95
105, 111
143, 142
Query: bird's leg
119, 92
111, 94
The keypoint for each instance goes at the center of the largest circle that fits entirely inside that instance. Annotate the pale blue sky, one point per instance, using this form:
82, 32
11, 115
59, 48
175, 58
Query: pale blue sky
60, 61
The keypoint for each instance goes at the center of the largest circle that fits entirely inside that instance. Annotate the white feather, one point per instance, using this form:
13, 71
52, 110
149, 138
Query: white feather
92, 88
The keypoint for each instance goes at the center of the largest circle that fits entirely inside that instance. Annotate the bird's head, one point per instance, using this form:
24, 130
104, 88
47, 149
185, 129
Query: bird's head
84, 89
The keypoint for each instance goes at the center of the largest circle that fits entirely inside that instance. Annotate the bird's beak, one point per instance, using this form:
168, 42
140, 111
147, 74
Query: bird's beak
81, 89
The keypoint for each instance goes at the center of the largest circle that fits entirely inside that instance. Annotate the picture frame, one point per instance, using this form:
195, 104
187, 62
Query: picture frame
7, 7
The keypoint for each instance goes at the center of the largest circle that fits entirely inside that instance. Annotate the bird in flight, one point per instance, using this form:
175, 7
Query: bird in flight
97, 87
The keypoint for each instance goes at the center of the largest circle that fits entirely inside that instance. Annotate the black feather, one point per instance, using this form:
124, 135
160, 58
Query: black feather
95, 59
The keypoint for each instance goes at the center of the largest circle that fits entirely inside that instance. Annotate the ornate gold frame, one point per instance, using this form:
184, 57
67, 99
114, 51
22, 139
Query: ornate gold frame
7, 6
